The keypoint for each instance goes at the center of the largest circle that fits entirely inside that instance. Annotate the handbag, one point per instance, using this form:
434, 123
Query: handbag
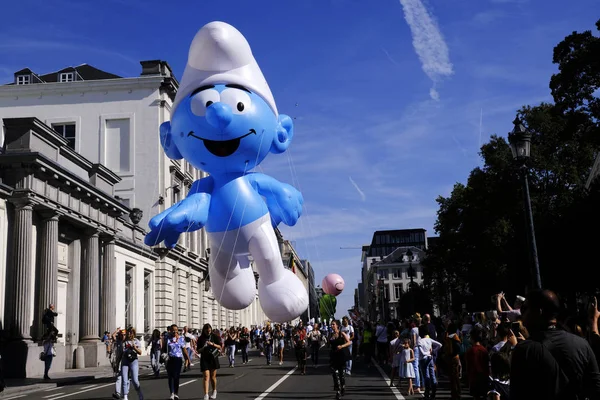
42, 356
164, 357
131, 355
215, 352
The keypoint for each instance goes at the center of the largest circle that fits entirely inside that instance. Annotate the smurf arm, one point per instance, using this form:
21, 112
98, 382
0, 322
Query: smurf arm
188, 215
283, 201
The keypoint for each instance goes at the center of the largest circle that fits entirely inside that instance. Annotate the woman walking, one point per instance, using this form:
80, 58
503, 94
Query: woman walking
300, 348
267, 340
231, 336
339, 354
244, 343
279, 337
314, 337
48, 352
209, 347
155, 345
132, 348
176, 350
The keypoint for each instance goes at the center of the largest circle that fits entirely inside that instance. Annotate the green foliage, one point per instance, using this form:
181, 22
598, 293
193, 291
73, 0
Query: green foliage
483, 244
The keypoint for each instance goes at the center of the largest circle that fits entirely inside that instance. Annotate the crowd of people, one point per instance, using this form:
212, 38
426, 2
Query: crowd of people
531, 350
534, 350
176, 350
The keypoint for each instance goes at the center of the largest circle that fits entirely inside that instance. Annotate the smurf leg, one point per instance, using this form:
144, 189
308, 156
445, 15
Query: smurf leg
282, 295
231, 277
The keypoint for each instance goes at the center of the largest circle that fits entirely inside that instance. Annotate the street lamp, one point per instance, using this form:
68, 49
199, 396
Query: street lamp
381, 284
520, 146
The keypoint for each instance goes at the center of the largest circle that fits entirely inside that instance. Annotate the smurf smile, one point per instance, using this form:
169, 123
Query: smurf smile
222, 148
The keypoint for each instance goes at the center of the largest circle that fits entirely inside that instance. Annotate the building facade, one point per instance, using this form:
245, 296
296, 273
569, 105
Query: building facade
68, 242
313, 299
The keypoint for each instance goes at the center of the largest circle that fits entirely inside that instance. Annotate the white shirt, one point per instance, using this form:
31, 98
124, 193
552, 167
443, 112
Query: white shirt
348, 330
428, 346
381, 334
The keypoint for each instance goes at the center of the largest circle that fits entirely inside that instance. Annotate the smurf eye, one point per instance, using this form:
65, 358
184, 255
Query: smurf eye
202, 100
237, 99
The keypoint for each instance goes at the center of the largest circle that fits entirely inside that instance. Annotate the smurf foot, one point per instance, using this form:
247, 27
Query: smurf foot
284, 299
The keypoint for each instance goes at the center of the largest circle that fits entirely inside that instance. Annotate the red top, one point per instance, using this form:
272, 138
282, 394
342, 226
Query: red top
477, 364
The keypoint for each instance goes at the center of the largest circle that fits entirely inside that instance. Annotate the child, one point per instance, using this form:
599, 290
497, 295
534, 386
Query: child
500, 379
407, 371
396, 346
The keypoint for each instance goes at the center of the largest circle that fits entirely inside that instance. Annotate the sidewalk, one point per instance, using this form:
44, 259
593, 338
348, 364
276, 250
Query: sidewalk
69, 377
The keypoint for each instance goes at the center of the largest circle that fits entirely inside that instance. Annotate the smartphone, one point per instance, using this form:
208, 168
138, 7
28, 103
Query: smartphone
516, 328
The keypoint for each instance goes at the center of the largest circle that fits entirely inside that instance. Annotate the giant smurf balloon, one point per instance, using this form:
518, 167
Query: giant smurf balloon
333, 284
225, 122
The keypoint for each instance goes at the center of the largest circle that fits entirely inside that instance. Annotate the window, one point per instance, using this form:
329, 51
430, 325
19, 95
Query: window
66, 77
23, 79
397, 273
189, 168
386, 292
117, 149
397, 291
66, 130
383, 273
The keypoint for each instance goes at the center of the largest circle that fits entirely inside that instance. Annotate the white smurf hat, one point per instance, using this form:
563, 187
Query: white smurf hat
220, 54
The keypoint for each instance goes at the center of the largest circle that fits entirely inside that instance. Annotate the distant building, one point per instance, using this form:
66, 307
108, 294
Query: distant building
382, 260
313, 300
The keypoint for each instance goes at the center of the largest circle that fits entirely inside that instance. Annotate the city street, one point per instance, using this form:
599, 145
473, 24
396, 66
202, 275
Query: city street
253, 381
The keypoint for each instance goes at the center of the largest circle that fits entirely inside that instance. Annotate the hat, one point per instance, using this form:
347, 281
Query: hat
220, 54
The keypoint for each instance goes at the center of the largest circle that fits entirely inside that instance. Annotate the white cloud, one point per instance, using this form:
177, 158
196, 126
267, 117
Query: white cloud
428, 42
434, 94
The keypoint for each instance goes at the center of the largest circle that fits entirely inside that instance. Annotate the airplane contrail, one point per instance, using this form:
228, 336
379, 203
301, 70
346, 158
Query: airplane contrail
360, 192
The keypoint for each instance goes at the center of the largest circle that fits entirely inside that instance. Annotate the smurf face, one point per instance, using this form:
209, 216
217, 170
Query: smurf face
224, 128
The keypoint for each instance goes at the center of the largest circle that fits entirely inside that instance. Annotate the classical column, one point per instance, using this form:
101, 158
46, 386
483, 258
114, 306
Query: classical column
48, 257
22, 271
108, 305
90, 290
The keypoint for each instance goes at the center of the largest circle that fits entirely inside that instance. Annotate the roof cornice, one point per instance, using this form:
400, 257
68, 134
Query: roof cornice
37, 89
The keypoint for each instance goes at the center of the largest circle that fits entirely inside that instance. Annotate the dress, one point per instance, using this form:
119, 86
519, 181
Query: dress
208, 362
406, 370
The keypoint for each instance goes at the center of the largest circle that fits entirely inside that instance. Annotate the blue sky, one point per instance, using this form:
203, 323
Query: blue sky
392, 99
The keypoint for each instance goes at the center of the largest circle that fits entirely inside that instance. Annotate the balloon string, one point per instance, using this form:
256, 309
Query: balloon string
229, 222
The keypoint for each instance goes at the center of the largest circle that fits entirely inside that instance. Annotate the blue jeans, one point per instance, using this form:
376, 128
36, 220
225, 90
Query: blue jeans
349, 362
268, 352
418, 377
47, 364
155, 361
132, 366
174, 371
427, 367
231, 354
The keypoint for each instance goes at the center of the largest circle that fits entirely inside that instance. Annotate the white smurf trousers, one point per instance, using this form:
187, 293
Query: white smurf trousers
282, 295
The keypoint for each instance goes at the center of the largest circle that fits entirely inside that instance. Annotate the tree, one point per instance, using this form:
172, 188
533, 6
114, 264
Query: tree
483, 245
574, 87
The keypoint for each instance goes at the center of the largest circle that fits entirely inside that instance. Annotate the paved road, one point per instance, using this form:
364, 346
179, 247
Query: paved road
255, 381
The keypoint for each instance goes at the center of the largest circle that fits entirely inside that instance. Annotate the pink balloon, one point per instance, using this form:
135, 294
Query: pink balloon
333, 284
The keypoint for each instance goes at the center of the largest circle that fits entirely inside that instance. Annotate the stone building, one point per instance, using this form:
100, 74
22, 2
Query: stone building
64, 232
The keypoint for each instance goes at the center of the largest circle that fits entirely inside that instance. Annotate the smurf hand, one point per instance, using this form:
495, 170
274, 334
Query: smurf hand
285, 205
188, 215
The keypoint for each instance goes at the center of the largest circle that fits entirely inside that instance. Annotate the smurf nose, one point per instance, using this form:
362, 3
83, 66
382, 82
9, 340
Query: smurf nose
219, 115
